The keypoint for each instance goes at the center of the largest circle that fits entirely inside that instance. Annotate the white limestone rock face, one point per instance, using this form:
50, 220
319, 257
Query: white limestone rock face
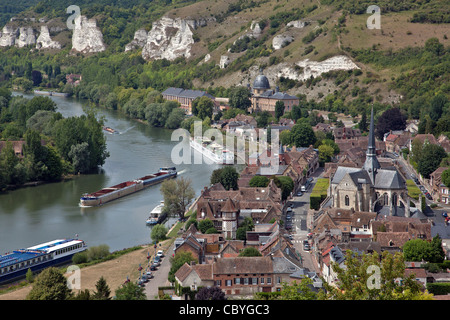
281, 41
26, 37
8, 36
139, 40
87, 37
44, 41
315, 69
169, 39
224, 62
297, 24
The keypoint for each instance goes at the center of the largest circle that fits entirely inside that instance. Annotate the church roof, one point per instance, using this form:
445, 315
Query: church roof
388, 179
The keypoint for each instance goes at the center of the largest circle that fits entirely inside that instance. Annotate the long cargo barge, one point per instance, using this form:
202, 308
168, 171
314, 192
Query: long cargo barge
125, 188
14, 265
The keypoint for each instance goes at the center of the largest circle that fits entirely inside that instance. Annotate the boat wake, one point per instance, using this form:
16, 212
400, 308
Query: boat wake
127, 130
182, 171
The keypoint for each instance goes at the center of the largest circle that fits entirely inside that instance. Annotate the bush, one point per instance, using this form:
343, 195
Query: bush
97, 252
438, 288
79, 258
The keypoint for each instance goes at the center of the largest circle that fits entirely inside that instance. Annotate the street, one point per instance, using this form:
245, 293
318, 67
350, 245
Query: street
160, 276
299, 231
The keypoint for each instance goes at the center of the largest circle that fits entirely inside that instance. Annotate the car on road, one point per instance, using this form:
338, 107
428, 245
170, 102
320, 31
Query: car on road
160, 253
299, 194
428, 195
306, 246
154, 267
157, 260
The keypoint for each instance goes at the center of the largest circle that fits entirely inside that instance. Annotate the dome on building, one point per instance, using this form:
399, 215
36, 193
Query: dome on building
261, 81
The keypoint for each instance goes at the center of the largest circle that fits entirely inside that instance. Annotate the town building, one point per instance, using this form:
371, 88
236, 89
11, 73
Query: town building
264, 99
184, 97
440, 192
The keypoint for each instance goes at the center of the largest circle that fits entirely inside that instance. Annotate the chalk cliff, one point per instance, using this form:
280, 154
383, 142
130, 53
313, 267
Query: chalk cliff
87, 37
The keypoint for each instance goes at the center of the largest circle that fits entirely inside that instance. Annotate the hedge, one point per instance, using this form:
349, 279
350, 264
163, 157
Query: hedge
439, 288
319, 193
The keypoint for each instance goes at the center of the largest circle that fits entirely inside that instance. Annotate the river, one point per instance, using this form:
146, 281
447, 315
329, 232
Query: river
33, 215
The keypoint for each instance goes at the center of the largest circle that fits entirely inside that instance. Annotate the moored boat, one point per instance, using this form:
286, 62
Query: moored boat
14, 265
212, 150
156, 215
125, 188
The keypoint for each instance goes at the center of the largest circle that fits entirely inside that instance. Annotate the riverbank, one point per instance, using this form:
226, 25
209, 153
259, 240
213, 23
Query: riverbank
114, 271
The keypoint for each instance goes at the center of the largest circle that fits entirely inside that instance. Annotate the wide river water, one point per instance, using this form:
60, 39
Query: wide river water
32, 215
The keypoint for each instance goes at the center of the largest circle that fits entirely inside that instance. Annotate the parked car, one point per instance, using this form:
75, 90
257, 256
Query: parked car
299, 194
288, 217
429, 196
289, 209
160, 253
306, 246
154, 267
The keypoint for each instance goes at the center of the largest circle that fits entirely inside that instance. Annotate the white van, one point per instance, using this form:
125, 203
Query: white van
303, 188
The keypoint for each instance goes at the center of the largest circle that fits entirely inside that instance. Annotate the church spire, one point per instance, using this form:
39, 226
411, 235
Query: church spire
371, 165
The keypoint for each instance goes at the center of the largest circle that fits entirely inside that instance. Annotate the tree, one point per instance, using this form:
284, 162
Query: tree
416, 250
229, 178
279, 109
259, 181
302, 135
445, 176
298, 290
371, 277
50, 284
363, 122
434, 46
177, 262
438, 104
250, 252
432, 155
202, 107
240, 98
286, 184
391, 119
130, 291
103, 290
326, 152
80, 157
205, 224
159, 232
178, 194
210, 293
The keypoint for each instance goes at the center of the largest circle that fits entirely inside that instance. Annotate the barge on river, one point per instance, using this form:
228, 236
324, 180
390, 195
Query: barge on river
125, 188
14, 265
212, 150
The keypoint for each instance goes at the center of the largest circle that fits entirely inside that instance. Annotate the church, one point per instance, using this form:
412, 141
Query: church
370, 188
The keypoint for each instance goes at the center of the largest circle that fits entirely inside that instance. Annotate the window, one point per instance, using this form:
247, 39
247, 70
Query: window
262, 280
228, 283
218, 283
347, 201
269, 280
245, 280
278, 280
255, 281
237, 280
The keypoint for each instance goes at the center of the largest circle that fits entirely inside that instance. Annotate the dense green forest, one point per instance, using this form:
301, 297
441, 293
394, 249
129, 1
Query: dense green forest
9, 8
54, 146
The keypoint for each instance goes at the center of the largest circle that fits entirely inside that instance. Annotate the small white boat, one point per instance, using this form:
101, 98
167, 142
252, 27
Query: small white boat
156, 215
